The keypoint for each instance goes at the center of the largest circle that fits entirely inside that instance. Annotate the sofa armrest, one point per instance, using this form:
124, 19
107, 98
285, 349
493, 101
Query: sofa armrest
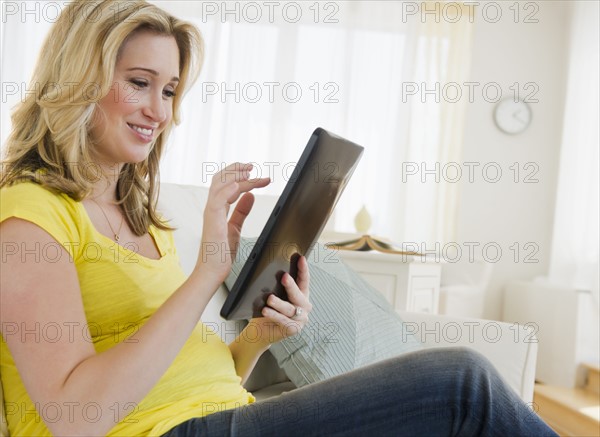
512, 348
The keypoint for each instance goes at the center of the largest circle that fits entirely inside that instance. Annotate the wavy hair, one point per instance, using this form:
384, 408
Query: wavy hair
50, 142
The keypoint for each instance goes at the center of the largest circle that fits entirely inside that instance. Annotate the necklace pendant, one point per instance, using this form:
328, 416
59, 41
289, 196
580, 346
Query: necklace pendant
116, 238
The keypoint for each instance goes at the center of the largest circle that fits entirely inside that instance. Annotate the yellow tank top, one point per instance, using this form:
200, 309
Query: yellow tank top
121, 290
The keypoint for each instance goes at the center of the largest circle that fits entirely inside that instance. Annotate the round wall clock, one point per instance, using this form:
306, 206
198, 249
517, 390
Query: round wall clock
512, 117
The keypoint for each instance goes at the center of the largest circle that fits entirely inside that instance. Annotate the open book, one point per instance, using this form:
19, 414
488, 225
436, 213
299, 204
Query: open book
368, 242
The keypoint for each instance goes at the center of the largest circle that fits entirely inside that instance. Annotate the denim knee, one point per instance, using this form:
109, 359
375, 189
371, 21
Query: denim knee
470, 363
459, 358
467, 357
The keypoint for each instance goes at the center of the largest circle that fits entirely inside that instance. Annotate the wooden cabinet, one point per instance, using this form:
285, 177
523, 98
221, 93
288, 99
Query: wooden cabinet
409, 285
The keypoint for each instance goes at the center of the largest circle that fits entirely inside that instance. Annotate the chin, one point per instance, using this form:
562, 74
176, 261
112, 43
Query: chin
139, 154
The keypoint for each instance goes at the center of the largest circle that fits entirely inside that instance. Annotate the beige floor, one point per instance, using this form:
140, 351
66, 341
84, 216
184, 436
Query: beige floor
571, 412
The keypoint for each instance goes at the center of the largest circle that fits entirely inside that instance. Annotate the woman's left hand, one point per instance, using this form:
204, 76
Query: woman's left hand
281, 318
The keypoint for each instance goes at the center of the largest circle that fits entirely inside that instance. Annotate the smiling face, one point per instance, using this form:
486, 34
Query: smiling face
139, 105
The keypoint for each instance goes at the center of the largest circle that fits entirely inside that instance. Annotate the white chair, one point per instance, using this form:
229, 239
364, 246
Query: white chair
463, 287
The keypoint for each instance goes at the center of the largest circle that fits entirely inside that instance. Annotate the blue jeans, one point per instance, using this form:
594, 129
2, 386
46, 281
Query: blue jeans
432, 392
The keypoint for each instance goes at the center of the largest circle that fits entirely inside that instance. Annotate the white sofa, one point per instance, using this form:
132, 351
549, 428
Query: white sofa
511, 348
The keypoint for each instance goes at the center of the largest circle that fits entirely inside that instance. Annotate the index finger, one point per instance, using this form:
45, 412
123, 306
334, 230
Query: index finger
238, 171
303, 278
250, 184
246, 186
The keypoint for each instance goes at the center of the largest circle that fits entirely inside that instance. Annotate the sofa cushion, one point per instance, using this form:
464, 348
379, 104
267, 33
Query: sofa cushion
273, 390
351, 325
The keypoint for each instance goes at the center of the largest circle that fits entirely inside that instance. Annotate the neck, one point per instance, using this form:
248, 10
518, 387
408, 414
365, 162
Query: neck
105, 189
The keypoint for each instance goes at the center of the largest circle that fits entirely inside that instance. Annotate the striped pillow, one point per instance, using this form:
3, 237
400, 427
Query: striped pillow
351, 324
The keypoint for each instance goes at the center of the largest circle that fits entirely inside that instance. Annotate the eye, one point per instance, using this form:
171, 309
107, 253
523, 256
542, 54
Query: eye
138, 83
170, 94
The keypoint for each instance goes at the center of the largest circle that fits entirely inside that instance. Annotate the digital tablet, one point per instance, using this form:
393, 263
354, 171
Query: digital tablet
295, 223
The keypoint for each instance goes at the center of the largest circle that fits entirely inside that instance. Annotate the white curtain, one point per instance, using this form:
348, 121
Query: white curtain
21, 40
363, 67
353, 63
575, 257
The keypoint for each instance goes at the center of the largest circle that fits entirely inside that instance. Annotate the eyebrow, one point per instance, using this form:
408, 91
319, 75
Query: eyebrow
153, 72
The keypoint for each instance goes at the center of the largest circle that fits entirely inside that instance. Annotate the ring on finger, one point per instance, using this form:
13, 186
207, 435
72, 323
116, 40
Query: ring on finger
298, 312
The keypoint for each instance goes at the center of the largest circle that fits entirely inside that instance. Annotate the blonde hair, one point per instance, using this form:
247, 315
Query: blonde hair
50, 142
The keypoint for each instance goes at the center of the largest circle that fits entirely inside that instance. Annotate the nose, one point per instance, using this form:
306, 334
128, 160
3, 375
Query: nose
156, 108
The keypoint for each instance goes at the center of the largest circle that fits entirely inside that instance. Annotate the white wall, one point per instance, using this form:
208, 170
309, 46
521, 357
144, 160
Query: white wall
507, 212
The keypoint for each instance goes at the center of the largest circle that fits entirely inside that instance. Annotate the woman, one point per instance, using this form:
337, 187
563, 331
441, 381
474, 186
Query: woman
101, 329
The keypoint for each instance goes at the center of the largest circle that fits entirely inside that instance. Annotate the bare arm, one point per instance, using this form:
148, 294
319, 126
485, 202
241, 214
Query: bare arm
279, 321
69, 371
245, 354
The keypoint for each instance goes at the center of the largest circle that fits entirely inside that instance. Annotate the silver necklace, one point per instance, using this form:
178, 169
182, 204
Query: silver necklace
116, 234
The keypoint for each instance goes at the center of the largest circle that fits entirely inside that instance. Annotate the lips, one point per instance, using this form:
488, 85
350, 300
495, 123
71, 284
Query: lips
144, 133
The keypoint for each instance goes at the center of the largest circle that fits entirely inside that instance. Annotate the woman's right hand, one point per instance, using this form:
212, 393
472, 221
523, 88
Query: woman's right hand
220, 238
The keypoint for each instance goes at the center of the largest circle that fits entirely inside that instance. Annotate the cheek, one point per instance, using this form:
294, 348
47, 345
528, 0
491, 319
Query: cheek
119, 101
169, 115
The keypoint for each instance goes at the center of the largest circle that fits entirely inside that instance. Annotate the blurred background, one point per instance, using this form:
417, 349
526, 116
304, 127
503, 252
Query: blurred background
479, 122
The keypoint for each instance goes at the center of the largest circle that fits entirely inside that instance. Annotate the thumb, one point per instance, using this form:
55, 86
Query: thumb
241, 211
